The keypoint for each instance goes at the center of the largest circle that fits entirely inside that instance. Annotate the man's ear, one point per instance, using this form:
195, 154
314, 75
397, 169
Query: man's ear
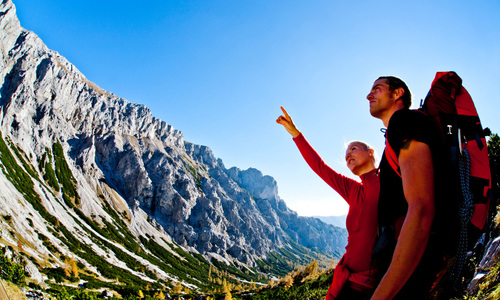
398, 93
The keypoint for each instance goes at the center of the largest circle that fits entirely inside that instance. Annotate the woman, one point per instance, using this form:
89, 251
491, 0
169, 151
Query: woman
353, 276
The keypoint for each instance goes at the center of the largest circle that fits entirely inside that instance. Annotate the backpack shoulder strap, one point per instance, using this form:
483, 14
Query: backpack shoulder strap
392, 158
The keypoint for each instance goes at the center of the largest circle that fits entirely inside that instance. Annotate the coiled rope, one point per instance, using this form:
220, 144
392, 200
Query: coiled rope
466, 209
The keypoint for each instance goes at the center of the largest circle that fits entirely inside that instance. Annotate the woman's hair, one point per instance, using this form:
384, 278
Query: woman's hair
366, 147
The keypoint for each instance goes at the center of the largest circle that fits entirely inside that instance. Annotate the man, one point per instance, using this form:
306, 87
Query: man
407, 243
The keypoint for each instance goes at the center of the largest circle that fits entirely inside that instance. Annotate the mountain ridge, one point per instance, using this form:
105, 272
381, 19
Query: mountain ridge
95, 166
338, 221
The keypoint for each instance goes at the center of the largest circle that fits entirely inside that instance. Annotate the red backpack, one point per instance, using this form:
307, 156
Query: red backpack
449, 104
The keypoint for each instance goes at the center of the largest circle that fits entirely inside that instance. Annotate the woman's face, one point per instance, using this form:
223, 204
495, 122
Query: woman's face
358, 158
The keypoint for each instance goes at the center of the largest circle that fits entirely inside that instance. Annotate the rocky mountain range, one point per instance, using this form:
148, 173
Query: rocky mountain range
85, 169
338, 221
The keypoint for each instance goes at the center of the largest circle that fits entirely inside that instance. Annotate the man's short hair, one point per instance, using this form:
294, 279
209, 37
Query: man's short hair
396, 83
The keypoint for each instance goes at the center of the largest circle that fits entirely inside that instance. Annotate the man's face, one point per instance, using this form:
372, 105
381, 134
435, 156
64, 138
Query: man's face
381, 98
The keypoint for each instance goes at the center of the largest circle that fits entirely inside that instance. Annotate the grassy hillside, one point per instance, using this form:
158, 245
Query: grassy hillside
142, 256
293, 272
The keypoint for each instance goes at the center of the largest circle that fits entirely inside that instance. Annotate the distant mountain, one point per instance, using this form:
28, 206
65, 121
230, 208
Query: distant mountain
338, 221
91, 178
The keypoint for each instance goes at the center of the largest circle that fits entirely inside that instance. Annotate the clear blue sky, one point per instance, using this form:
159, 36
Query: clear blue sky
220, 70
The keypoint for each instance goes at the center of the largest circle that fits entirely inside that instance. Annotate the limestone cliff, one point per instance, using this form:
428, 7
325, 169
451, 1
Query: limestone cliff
123, 161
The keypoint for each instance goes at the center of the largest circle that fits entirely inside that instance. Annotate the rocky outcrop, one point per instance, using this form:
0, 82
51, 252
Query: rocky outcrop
491, 257
141, 166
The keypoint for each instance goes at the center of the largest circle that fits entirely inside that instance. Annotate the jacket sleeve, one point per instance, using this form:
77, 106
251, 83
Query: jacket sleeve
345, 186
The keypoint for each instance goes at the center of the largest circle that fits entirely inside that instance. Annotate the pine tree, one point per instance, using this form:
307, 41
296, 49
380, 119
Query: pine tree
311, 272
67, 267
271, 283
177, 288
287, 281
160, 295
227, 290
333, 263
74, 267
19, 246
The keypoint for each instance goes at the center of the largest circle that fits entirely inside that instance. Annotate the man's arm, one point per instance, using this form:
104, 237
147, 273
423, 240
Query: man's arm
417, 173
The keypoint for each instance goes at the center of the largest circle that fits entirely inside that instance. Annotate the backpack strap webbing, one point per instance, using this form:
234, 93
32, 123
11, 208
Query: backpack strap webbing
392, 158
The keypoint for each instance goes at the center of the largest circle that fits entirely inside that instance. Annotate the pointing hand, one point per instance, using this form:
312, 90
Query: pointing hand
287, 122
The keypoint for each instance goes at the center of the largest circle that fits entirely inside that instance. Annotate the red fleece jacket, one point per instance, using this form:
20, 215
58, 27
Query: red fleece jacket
361, 222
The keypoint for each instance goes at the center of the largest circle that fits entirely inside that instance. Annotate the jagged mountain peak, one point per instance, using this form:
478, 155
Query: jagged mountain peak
95, 164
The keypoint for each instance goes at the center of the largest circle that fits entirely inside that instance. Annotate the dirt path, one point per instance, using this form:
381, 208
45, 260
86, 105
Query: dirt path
3, 293
9, 291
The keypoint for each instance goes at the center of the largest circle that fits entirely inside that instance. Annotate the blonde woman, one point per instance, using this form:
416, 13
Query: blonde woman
353, 276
